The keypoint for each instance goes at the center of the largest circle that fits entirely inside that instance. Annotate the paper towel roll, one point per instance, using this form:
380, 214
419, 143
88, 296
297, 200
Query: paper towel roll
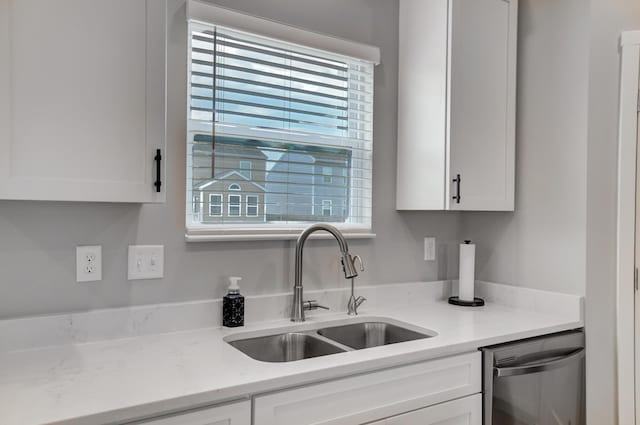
467, 271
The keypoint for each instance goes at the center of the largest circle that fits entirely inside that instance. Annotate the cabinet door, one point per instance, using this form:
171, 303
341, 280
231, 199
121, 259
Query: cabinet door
482, 104
373, 396
82, 99
422, 105
230, 414
464, 411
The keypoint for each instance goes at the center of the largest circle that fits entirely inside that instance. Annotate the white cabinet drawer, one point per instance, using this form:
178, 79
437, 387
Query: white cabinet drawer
372, 396
229, 414
464, 411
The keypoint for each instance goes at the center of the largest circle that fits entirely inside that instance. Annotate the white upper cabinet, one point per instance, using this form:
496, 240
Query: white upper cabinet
456, 105
82, 99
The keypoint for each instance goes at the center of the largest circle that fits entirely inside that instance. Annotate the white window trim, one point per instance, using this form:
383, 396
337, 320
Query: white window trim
239, 205
202, 11
257, 205
211, 204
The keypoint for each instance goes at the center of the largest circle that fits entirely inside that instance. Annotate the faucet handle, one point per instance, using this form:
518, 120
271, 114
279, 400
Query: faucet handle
313, 305
359, 259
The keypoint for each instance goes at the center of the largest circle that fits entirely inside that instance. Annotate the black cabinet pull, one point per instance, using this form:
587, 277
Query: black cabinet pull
158, 159
457, 181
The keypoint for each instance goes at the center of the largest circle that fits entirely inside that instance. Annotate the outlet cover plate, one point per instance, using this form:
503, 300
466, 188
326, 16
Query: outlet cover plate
146, 262
89, 263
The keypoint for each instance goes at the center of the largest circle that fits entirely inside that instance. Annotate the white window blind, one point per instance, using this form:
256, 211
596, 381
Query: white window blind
270, 119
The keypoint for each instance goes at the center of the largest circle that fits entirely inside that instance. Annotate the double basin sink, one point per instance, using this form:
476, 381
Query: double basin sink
288, 346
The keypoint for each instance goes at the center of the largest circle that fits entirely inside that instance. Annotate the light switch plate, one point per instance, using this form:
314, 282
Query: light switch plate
146, 262
88, 263
429, 249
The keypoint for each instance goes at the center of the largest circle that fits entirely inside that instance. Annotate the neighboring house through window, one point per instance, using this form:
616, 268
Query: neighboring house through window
282, 132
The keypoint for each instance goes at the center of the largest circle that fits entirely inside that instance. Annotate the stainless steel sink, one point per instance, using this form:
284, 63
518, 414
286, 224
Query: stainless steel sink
286, 347
370, 334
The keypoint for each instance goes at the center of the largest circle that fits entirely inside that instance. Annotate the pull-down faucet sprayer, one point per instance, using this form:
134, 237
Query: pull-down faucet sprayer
297, 308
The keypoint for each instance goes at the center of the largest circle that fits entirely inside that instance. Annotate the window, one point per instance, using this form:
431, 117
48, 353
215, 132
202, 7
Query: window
245, 169
234, 205
327, 175
252, 206
285, 117
196, 203
215, 205
327, 208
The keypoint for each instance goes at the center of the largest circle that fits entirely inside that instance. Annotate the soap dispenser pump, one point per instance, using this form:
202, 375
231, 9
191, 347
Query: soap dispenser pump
233, 305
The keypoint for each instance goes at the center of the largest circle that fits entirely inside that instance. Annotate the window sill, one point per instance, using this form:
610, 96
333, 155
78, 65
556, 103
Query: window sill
283, 235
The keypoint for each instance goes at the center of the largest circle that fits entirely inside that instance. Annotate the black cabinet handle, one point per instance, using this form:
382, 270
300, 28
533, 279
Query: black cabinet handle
158, 159
457, 181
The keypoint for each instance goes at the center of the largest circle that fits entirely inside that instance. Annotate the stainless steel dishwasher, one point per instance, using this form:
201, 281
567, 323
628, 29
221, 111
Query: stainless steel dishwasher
538, 381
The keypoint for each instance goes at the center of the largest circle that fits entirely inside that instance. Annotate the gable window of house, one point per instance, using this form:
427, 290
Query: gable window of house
215, 205
327, 209
245, 169
283, 115
327, 175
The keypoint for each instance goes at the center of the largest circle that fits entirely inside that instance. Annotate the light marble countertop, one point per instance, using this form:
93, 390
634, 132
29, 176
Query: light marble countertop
113, 380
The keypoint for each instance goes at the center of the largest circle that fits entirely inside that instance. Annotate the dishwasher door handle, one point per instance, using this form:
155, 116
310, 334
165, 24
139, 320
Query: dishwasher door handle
539, 366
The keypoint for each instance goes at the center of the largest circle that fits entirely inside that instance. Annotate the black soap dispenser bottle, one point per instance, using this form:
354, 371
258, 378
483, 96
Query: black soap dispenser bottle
233, 305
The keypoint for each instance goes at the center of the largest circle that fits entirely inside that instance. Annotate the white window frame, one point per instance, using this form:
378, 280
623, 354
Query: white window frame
211, 204
257, 205
203, 12
229, 205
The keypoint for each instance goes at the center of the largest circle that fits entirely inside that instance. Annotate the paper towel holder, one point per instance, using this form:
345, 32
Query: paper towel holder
477, 302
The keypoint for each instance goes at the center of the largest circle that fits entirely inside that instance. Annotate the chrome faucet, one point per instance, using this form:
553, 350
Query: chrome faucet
355, 302
298, 306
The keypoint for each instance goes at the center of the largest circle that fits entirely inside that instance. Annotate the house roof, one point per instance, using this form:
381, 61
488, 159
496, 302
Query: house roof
226, 146
225, 176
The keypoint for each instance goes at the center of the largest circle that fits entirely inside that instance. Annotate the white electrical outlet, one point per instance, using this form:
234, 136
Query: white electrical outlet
429, 249
88, 263
146, 262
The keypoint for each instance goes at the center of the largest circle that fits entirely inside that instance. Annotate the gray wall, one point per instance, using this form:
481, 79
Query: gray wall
37, 240
608, 19
542, 245
562, 235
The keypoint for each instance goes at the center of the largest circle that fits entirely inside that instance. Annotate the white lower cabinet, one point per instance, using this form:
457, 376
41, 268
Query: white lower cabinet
238, 413
464, 411
378, 395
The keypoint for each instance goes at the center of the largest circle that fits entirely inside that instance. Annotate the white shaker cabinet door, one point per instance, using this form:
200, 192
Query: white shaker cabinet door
464, 411
82, 99
230, 414
482, 104
456, 105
